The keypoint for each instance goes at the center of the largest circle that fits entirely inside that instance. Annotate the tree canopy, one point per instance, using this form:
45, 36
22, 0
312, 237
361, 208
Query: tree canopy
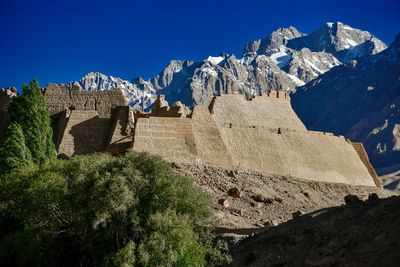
132, 210
14, 151
94, 210
29, 111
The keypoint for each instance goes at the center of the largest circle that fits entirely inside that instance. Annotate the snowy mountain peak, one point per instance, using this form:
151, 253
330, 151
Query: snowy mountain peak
215, 60
288, 33
342, 41
96, 81
287, 58
332, 24
273, 42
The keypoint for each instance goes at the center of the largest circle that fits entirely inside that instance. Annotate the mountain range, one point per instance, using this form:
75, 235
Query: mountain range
342, 80
360, 100
287, 58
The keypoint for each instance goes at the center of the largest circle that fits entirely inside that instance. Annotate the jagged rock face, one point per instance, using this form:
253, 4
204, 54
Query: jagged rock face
273, 42
307, 65
360, 100
284, 60
200, 81
136, 96
165, 78
342, 41
303, 57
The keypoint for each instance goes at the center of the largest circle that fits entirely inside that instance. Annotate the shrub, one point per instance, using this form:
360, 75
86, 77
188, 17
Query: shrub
101, 210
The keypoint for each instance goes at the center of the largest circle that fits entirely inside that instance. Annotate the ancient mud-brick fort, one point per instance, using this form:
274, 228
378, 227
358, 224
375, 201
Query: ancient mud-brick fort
262, 134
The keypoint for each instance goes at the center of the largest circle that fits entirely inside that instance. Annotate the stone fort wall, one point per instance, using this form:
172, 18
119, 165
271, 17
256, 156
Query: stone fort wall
61, 97
263, 134
87, 122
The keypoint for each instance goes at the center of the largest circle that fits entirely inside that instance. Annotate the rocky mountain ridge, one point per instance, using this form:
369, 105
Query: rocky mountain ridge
284, 60
360, 100
134, 94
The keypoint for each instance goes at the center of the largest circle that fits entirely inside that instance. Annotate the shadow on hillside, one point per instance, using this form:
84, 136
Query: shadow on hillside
359, 234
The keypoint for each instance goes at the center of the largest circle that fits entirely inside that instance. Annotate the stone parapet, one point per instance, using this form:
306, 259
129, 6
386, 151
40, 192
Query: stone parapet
60, 97
162, 109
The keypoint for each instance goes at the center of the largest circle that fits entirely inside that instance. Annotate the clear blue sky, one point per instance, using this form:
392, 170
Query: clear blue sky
61, 40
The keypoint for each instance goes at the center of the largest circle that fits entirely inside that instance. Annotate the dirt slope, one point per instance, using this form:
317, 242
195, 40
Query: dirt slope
264, 200
360, 234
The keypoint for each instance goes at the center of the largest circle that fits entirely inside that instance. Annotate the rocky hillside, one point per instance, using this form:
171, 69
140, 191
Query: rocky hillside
248, 199
357, 234
287, 58
360, 100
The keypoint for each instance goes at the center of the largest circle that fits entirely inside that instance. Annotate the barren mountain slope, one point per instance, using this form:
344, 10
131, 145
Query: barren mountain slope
266, 199
359, 234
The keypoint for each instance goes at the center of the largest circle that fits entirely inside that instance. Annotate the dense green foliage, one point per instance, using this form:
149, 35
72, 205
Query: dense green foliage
93, 210
14, 151
104, 211
30, 112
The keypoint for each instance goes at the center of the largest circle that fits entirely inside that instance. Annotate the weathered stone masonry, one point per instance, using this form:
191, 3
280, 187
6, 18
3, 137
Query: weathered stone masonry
263, 134
87, 122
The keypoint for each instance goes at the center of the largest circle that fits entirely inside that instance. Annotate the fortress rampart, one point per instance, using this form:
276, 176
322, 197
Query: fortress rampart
87, 122
61, 97
262, 134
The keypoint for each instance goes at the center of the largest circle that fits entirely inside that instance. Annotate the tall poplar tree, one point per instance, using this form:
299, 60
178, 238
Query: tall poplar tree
14, 151
29, 111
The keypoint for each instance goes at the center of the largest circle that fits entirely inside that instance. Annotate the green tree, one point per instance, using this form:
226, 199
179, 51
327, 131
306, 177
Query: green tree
94, 210
29, 110
14, 151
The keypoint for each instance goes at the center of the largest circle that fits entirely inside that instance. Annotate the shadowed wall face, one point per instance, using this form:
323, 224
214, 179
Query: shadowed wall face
86, 122
85, 132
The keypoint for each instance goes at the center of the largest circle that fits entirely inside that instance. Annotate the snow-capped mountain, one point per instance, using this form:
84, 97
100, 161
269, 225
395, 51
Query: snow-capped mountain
360, 100
281, 61
200, 81
342, 41
308, 56
136, 97
284, 60
273, 43
307, 65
